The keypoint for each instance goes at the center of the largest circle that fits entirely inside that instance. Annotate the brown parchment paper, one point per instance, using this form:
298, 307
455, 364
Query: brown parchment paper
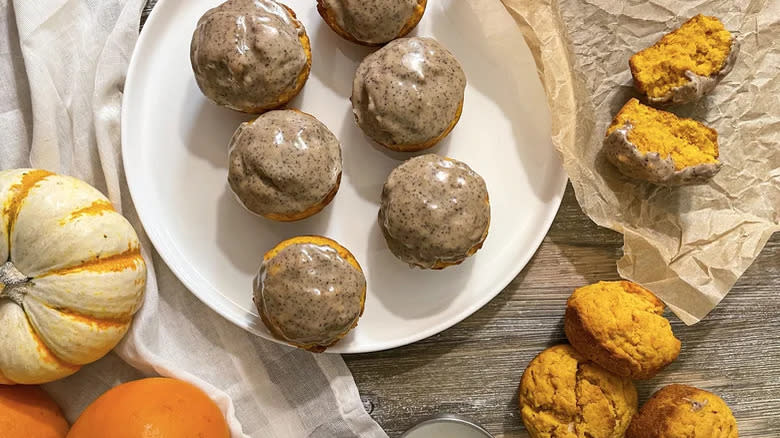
689, 245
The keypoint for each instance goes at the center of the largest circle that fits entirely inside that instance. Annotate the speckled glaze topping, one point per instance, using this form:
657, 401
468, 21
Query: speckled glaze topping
434, 210
246, 54
310, 293
408, 92
283, 163
372, 21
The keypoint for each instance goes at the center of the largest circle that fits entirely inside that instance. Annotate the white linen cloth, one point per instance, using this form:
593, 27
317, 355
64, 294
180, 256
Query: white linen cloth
62, 70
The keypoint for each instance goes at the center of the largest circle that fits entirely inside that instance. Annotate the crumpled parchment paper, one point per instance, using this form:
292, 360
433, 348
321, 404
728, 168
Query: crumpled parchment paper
689, 245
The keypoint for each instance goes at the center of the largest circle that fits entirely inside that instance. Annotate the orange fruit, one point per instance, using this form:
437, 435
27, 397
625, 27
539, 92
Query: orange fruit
28, 412
152, 408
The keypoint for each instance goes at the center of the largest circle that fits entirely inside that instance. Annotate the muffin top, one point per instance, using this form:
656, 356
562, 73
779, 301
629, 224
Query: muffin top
633, 339
434, 209
564, 395
311, 290
372, 21
408, 92
246, 54
283, 163
680, 411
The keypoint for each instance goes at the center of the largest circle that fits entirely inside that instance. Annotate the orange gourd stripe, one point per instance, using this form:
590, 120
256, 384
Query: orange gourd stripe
96, 208
18, 192
116, 263
46, 354
103, 323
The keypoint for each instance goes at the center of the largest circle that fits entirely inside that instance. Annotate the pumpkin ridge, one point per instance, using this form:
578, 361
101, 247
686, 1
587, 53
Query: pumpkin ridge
96, 208
116, 263
46, 353
20, 191
88, 319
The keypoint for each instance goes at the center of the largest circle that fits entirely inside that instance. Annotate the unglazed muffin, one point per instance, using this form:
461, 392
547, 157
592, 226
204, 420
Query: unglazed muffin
371, 22
408, 95
564, 395
284, 165
632, 339
687, 63
659, 147
434, 211
679, 411
310, 292
250, 55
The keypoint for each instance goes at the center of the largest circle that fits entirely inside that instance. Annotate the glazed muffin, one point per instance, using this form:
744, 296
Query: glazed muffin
434, 211
679, 411
310, 292
371, 22
659, 147
633, 339
687, 63
284, 165
405, 105
564, 395
250, 55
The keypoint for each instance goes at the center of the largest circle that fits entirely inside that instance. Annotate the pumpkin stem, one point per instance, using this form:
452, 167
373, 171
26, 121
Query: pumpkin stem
12, 282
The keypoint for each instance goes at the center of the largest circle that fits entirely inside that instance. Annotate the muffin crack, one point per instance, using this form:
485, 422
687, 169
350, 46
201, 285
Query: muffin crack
578, 377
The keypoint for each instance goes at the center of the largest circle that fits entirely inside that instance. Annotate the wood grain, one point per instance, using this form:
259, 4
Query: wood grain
473, 369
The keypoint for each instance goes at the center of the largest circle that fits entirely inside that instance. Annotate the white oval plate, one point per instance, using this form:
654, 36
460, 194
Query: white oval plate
174, 143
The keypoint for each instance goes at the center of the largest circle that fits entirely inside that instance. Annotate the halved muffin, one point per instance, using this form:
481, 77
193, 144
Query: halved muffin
310, 292
250, 55
659, 147
687, 63
371, 22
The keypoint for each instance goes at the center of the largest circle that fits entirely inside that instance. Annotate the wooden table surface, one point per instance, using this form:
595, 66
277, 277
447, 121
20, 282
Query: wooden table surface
474, 368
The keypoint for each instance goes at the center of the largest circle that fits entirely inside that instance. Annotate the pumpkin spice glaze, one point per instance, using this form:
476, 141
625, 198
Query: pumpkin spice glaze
284, 165
371, 22
434, 211
408, 95
250, 55
310, 292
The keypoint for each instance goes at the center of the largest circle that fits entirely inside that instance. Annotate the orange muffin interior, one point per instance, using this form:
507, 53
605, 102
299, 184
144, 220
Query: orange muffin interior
686, 141
701, 45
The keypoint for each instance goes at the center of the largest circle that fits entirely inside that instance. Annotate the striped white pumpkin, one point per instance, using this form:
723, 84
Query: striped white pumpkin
71, 276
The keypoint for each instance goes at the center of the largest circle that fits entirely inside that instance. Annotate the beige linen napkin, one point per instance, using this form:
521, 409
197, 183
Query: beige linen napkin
62, 65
